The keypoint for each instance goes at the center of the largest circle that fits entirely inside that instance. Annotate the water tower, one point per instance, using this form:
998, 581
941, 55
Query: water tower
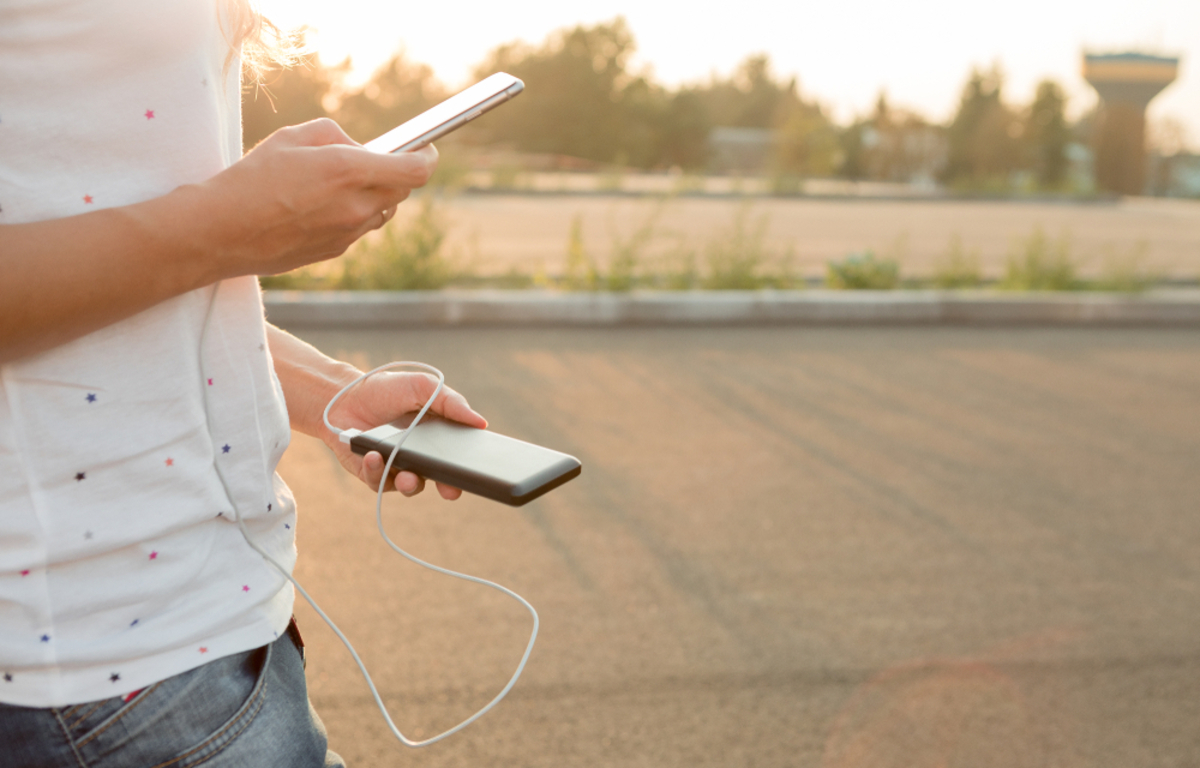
1126, 82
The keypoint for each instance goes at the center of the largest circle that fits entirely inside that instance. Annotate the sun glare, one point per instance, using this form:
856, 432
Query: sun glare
919, 52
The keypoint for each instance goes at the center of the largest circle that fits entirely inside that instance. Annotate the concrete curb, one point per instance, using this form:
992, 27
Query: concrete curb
366, 309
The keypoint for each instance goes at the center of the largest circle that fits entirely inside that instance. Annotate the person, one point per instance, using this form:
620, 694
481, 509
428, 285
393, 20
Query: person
145, 402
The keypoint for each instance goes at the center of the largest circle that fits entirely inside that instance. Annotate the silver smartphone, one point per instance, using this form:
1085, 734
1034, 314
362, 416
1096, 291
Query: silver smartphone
451, 114
477, 461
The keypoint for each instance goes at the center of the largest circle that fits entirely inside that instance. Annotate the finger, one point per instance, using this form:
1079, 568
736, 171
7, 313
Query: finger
372, 469
448, 492
402, 170
380, 219
449, 403
316, 133
454, 406
373, 222
409, 483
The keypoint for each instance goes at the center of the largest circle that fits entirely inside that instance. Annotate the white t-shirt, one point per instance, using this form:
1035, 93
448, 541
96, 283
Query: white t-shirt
123, 454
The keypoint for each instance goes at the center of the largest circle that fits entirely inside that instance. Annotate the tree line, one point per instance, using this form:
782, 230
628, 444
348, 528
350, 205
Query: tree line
583, 101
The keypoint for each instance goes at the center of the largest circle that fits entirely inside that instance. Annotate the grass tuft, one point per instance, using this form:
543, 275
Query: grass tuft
863, 271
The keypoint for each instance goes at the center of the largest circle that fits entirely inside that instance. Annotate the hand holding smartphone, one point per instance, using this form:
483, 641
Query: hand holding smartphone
451, 114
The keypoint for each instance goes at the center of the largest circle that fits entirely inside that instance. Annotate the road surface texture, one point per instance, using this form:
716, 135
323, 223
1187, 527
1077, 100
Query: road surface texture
493, 233
788, 547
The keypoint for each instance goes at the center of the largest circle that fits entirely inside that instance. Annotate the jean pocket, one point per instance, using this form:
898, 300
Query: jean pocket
177, 722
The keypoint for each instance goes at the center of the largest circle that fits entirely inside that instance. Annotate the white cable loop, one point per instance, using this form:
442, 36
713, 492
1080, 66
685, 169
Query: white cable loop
379, 522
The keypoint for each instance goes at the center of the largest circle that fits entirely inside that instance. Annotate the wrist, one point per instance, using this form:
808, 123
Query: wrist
310, 380
206, 232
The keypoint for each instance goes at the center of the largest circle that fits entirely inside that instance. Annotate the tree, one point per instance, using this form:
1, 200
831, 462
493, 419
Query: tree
581, 100
751, 98
807, 143
984, 137
892, 145
684, 129
396, 92
1047, 135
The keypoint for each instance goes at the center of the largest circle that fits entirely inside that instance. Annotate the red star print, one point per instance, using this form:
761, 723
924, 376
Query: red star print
203, 649
149, 114
210, 382
153, 555
245, 587
170, 462
25, 572
87, 199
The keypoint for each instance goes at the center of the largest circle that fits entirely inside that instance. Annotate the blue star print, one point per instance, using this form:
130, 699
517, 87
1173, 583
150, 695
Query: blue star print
226, 448
91, 398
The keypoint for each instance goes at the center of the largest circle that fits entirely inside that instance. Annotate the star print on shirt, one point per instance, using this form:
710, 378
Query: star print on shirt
8, 677
134, 623
268, 507
114, 677
25, 572
170, 462
80, 476
226, 448
245, 587
91, 398
87, 199
203, 649
210, 382
149, 114
154, 555
45, 638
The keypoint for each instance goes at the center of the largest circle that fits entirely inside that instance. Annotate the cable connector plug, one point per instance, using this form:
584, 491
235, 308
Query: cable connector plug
346, 435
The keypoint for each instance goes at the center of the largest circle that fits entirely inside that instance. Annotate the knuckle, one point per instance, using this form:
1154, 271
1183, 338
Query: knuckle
345, 171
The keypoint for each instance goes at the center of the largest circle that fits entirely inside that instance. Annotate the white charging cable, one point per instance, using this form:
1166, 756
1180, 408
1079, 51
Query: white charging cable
345, 436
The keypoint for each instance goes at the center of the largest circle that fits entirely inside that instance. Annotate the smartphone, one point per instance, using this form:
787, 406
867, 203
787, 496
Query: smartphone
451, 114
478, 461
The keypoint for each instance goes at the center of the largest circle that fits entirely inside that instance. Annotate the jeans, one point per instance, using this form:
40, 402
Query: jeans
249, 710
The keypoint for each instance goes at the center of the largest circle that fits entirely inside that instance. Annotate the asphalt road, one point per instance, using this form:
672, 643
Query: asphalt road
788, 547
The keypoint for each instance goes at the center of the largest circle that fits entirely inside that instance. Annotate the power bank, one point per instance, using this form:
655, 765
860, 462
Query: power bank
478, 461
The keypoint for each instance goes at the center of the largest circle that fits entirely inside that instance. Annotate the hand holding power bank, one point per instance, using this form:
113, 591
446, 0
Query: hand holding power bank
451, 114
477, 461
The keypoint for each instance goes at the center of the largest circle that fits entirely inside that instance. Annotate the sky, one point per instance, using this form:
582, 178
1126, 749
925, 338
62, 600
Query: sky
843, 53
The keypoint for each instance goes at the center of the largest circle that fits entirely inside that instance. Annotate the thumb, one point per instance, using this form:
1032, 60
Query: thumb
315, 133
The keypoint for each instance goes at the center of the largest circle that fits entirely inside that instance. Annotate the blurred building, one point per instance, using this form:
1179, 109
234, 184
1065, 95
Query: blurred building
1176, 175
901, 147
1126, 82
741, 151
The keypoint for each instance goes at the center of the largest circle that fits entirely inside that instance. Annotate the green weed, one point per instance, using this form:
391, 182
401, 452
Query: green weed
404, 258
1036, 264
735, 257
863, 271
958, 267
581, 273
1126, 272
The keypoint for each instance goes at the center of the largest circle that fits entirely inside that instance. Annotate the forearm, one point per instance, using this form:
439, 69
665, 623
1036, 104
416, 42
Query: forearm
309, 379
64, 278
303, 195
